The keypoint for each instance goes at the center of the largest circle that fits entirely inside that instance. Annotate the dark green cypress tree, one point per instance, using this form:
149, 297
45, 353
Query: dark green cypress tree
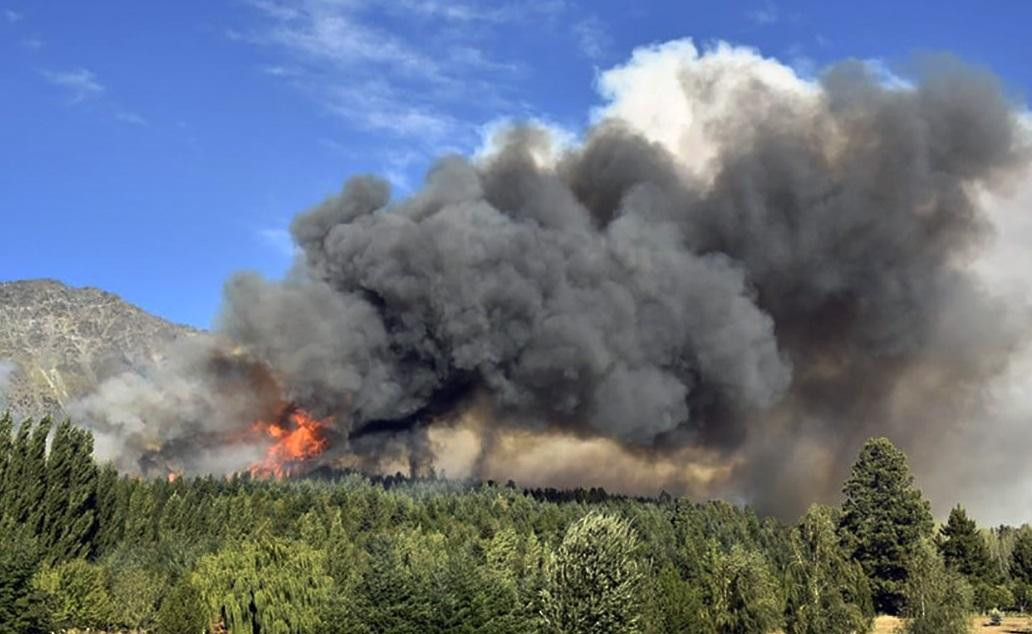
884, 519
112, 500
140, 517
22, 607
6, 446
70, 501
10, 486
27, 480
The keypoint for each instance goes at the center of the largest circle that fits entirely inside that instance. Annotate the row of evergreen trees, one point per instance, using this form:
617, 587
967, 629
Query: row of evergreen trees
81, 546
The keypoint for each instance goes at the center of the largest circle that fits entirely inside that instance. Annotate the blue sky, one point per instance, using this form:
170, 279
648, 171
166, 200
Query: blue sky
151, 149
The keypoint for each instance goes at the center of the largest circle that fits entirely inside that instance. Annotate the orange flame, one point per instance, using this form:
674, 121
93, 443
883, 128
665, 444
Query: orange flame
296, 437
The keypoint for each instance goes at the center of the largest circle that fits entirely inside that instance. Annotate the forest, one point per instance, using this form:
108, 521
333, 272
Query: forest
82, 546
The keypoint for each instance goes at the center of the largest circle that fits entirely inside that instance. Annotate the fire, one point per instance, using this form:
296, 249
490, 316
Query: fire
296, 437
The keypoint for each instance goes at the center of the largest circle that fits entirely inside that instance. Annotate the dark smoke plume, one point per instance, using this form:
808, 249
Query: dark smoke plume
808, 288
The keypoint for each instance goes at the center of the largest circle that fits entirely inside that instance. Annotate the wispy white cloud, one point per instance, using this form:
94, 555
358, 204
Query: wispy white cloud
81, 83
12, 16
766, 13
127, 116
33, 43
377, 105
279, 239
358, 58
592, 37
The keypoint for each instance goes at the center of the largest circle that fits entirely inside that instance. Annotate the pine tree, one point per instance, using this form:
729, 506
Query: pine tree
962, 547
595, 579
884, 519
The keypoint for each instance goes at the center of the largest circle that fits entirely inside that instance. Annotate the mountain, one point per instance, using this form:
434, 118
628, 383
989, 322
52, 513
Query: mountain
58, 342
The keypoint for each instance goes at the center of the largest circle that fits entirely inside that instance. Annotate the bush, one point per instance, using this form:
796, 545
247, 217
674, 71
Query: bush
988, 596
995, 617
182, 611
76, 594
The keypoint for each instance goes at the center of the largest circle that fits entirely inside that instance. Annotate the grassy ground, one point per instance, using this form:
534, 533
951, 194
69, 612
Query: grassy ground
979, 625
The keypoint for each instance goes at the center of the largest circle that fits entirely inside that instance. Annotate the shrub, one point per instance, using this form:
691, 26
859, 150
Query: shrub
76, 594
995, 617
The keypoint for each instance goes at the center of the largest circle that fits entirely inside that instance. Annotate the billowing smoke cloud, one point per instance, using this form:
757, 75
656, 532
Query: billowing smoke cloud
733, 280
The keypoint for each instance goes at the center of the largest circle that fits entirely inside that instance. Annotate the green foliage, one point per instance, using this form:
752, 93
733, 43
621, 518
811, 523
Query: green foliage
182, 611
22, 607
1021, 558
995, 617
964, 549
987, 595
938, 601
884, 520
76, 594
69, 504
827, 594
136, 592
594, 581
740, 591
272, 585
1021, 593
82, 546
677, 603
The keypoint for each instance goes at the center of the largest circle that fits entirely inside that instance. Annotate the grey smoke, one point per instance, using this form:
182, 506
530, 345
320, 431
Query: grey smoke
809, 294
7, 369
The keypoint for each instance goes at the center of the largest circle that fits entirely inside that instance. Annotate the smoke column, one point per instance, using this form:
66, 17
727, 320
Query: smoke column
735, 278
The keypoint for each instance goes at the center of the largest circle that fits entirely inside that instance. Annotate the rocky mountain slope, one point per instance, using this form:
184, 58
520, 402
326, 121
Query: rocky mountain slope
57, 342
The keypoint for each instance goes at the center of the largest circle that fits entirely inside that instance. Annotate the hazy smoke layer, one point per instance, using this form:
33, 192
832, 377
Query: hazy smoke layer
736, 268
7, 369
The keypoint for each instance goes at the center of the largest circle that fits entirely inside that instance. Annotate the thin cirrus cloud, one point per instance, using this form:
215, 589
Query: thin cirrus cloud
79, 82
82, 84
592, 38
766, 13
358, 60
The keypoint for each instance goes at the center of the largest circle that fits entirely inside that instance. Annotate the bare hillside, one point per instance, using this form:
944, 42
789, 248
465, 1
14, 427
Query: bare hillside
57, 342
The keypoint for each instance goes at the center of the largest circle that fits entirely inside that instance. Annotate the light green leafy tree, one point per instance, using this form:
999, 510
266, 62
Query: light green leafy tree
595, 580
76, 594
938, 600
826, 593
741, 593
271, 584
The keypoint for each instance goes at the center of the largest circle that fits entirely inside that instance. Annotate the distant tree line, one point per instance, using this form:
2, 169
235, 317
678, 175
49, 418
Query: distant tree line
82, 546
